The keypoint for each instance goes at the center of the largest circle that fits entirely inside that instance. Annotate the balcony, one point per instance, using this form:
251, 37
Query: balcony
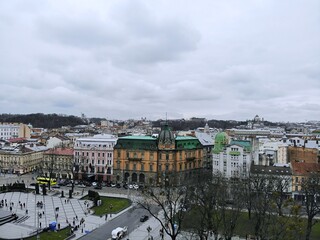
134, 159
190, 158
234, 153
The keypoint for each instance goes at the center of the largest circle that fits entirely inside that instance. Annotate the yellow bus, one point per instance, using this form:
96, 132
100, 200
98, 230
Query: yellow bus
46, 180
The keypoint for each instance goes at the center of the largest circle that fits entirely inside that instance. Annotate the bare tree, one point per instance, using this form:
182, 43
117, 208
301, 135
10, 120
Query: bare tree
288, 227
231, 205
172, 200
207, 200
280, 192
311, 190
261, 204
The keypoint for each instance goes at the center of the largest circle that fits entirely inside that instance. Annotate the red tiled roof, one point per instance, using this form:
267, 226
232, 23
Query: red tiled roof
303, 168
17, 140
60, 151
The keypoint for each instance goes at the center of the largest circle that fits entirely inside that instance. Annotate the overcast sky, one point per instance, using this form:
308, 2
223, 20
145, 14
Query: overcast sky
122, 59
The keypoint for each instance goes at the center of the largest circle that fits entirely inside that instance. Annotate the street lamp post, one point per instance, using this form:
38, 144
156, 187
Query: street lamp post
128, 189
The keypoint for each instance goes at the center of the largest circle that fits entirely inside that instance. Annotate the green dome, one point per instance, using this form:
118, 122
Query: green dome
166, 136
220, 141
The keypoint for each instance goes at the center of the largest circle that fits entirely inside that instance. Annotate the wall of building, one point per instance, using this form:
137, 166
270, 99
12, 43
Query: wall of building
308, 155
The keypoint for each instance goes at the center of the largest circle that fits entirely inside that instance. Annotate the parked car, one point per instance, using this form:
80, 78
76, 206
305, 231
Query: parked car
108, 184
125, 186
98, 186
94, 184
135, 186
56, 186
82, 186
118, 185
119, 233
130, 186
144, 218
113, 185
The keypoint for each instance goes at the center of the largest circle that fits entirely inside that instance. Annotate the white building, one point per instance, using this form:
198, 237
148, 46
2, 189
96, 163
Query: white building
232, 160
94, 157
58, 141
272, 152
14, 130
300, 142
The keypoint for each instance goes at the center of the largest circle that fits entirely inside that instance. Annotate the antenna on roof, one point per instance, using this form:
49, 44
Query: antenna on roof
166, 117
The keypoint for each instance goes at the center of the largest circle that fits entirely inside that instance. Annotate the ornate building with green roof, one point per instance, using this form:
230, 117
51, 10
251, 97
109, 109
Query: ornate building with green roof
233, 158
150, 160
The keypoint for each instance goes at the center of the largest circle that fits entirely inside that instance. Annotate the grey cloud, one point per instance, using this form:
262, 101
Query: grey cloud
130, 58
132, 38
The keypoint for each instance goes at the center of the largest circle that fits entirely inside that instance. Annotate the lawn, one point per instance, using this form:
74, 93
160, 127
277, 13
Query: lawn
110, 205
245, 226
59, 235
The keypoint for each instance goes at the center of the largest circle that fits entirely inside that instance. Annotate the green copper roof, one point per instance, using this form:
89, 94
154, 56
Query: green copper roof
166, 136
242, 143
151, 143
187, 142
185, 138
138, 138
220, 141
137, 142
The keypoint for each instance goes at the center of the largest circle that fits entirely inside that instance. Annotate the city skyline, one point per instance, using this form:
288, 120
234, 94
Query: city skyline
225, 60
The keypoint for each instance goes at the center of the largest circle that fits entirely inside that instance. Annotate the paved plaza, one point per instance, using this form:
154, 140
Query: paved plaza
40, 211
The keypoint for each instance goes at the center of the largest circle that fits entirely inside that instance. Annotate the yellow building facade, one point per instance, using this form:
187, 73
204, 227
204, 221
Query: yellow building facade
151, 160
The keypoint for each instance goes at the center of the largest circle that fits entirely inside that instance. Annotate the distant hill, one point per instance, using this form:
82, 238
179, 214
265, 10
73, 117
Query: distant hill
43, 120
185, 125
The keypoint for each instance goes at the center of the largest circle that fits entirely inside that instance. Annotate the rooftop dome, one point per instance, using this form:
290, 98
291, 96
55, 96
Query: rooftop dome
166, 136
220, 141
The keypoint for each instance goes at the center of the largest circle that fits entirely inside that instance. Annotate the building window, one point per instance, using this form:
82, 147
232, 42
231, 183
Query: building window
159, 167
142, 167
151, 168
297, 179
127, 166
134, 166
167, 156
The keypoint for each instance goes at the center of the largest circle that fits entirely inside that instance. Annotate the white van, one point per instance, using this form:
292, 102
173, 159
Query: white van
119, 232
